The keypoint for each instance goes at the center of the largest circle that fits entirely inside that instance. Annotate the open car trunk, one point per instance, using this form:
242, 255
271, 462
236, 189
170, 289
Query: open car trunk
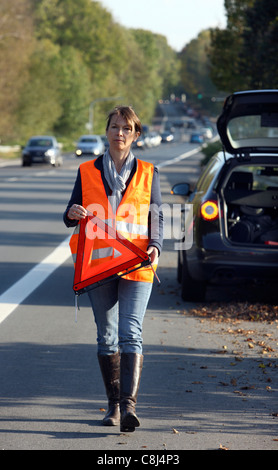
250, 205
248, 128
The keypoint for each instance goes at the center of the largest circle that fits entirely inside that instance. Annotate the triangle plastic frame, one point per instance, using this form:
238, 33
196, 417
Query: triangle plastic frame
87, 277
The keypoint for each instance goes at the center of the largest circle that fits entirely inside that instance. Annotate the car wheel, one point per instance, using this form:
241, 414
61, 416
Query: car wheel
191, 290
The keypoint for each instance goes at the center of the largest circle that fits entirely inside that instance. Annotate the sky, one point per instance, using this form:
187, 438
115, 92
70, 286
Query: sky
179, 20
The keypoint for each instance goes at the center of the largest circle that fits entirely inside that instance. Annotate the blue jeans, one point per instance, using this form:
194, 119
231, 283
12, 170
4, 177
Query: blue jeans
119, 308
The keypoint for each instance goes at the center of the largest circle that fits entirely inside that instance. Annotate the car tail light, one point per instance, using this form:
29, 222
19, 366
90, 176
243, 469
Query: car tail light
209, 210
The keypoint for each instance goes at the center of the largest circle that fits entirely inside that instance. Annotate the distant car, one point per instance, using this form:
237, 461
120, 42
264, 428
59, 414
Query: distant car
152, 139
105, 141
197, 138
139, 143
42, 149
147, 140
167, 137
89, 145
169, 126
178, 123
233, 234
191, 125
207, 133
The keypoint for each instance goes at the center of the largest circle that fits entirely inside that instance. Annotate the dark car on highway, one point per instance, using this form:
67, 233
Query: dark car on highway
234, 228
167, 137
42, 149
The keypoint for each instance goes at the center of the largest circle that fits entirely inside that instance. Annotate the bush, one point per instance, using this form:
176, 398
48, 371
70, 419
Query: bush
209, 150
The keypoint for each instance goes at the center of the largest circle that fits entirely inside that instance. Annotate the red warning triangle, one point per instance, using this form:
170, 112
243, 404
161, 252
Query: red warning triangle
126, 256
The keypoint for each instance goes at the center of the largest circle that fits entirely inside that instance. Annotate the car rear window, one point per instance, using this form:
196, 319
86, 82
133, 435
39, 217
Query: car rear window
254, 131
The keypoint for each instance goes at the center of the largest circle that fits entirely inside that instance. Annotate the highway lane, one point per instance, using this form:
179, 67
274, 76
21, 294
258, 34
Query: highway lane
51, 392
31, 205
31, 229
47, 361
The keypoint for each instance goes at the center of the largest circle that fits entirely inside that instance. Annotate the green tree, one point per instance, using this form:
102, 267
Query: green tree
168, 66
259, 53
39, 105
74, 92
244, 55
119, 61
16, 45
195, 70
84, 25
150, 83
81, 54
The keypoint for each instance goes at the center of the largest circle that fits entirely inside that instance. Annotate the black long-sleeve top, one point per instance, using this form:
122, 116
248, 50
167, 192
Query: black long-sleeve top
155, 214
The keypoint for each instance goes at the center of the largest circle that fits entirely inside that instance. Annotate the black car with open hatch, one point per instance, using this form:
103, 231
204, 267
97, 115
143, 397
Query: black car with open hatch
235, 200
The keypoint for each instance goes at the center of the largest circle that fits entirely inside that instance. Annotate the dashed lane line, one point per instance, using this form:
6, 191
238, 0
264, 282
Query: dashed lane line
19, 291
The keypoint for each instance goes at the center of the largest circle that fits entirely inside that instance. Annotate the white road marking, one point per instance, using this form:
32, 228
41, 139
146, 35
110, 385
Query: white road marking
178, 158
17, 293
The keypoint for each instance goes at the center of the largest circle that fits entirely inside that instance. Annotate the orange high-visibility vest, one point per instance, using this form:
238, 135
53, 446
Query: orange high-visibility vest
131, 218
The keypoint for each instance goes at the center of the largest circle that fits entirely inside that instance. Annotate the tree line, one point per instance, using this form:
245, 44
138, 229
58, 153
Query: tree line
245, 54
242, 56
57, 56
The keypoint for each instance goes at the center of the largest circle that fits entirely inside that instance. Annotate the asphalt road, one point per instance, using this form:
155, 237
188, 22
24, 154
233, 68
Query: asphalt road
203, 387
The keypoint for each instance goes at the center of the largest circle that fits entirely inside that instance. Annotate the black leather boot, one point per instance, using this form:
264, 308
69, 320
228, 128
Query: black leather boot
110, 369
131, 369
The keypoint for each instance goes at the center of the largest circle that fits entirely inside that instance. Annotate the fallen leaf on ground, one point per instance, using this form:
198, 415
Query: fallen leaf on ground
175, 431
234, 311
221, 447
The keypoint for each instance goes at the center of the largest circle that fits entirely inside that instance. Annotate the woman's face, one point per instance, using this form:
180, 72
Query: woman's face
121, 134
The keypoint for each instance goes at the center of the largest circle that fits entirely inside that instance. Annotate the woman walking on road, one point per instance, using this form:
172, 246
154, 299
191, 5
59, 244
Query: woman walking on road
117, 180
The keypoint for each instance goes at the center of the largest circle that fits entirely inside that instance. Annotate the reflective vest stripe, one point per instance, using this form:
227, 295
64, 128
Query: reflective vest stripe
132, 229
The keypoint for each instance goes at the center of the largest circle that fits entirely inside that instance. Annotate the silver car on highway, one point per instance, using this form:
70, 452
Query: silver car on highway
89, 145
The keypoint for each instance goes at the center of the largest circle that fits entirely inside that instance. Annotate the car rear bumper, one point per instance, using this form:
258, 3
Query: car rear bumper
211, 265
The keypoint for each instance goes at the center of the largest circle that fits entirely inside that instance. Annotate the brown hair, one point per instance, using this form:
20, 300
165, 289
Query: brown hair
128, 114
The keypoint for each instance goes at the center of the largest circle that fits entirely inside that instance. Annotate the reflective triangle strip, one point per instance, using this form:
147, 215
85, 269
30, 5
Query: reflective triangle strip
103, 253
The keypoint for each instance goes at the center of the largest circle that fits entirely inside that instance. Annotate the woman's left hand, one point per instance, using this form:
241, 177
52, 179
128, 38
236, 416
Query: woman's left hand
153, 253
